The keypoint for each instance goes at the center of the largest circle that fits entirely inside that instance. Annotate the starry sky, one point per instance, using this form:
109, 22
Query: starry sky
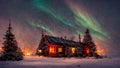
62, 18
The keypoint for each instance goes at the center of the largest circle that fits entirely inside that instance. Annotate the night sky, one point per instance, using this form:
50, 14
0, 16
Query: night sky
63, 18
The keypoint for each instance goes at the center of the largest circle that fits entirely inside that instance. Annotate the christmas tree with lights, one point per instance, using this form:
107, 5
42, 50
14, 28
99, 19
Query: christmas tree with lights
11, 51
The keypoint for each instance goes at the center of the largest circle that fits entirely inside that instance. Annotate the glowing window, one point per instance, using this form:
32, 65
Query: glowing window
52, 50
73, 50
59, 49
40, 51
87, 50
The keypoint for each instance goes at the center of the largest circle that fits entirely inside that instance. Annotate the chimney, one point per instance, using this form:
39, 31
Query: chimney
65, 37
79, 38
42, 34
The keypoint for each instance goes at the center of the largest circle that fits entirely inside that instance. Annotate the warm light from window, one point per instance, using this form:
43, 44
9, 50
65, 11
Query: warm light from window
59, 49
40, 51
87, 50
52, 50
73, 50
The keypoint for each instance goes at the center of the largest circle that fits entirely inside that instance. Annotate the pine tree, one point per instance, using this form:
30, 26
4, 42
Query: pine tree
87, 37
11, 51
88, 40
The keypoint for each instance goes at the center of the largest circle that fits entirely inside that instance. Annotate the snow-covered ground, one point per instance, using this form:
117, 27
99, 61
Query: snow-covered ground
44, 62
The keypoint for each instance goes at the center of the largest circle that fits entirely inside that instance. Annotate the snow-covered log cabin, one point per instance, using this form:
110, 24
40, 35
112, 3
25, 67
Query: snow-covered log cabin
61, 47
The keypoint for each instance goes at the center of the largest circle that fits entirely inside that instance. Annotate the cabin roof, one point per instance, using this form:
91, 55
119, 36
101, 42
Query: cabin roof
61, 41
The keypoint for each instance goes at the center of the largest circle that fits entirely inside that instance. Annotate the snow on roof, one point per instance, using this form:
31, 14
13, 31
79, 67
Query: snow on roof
61, 41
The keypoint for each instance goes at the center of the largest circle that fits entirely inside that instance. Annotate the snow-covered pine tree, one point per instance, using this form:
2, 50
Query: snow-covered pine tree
11, 51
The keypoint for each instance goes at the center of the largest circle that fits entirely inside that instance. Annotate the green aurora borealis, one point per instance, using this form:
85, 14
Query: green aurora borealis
81, 19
